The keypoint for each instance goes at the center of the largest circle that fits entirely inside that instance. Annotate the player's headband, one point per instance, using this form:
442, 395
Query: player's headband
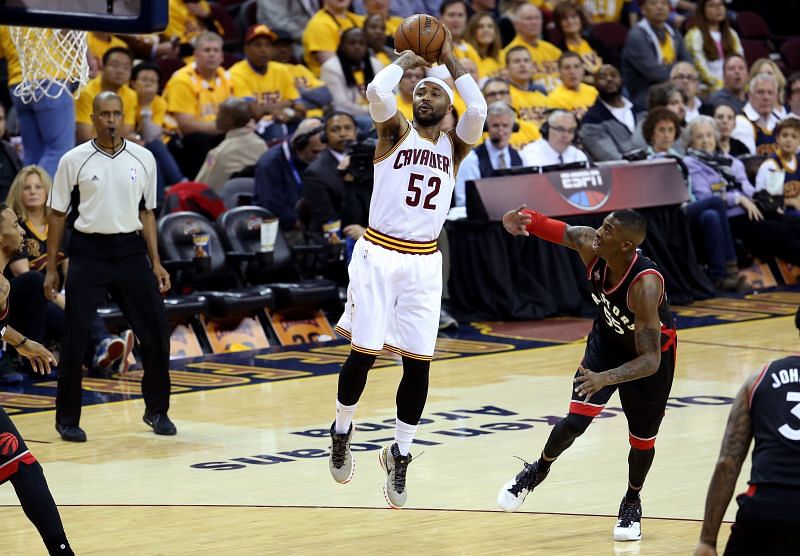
437, 81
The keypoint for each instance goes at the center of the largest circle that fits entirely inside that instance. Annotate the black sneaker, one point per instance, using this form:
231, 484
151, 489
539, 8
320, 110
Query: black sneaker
341, 462
160, 422
513, 493
629, 524
71, 433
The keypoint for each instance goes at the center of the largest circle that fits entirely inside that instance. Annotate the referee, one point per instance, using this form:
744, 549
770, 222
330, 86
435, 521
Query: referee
114, 233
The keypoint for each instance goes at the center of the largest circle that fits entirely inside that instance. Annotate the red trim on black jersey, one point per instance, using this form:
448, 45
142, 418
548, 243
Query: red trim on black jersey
590, 267
642, 273
622, 280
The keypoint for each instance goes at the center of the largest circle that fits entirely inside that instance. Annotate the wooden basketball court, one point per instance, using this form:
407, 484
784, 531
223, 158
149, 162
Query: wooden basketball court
247, 473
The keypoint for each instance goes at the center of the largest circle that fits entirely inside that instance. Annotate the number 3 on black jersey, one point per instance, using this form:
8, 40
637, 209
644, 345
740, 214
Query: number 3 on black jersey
785, 429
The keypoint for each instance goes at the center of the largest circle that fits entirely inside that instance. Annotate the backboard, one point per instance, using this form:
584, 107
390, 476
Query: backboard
113, 16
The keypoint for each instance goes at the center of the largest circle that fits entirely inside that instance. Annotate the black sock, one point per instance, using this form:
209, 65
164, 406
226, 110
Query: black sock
632, 494
543, 465
58, 545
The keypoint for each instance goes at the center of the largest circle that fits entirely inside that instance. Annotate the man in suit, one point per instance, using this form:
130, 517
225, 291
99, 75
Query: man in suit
278, 176
491, 155
323, 182
607, 129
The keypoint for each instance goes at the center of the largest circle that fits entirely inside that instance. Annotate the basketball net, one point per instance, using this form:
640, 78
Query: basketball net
53, 61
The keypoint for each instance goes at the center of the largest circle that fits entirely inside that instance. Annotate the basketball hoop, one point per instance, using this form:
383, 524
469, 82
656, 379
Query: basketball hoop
53, 61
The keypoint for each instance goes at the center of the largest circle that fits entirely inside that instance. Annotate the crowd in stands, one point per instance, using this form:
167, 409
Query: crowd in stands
276, 92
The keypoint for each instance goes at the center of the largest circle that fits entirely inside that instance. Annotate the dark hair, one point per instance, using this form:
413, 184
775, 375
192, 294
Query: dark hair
333, 113
656, 115
659, 95
563, 9
787, 123
733, 55
726, 105
516, 49
145, 66
347, 66
493, 51
633, 222
791, 79
568, 54
447, 3
118, 49
709, 46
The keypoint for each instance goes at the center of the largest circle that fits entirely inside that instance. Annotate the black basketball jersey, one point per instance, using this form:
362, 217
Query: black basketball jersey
775, 417
612, 336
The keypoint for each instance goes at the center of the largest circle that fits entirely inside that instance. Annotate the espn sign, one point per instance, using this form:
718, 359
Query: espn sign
581, 179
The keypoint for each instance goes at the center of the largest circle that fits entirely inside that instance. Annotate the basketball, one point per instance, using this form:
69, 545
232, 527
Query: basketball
423, 34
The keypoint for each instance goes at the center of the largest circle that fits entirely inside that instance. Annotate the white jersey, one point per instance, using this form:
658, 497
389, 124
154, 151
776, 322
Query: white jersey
413, 187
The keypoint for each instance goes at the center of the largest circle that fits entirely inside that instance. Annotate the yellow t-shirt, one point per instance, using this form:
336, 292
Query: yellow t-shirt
276, 85
528, 133
569, 99
187, 92
98, 46
604, 11
303, 78
462, 49
322, 34
545, 61
159, 109
392, 24
182, 23
530, 105
83, 104
383, 58
489, 67
591, 59
405, 108
667, 50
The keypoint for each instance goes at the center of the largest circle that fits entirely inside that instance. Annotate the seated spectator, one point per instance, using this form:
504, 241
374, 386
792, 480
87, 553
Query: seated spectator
323, 185
608, 128
10, 163
43, 320
279, 171
527, 98
453, 13
381, 8
734, 84
793, 95
193, 96
240, 148
292, 16
527, 21
571, 22
660, 131
572, 94
782, 166
375, 35
405, 91
713, 174
711, 40
268, 87
321, 35
313, 92
669, 96
651, 49
115, 76
756, 123
725, 118
684, 76
555, 146
151, 124
484, 36
495, 90
765, 65
492, 154
347, 74
188, 20
611, 12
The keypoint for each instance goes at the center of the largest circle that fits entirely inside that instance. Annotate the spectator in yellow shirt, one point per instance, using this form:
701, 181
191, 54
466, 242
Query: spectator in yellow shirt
498, 90
268, 86
96, 45
313, 92
116, 73
453, 13
527, 20
405, 91
484, 36
527, 98
375, 34
572, 94
381, 7
187, 21
571, 22
193, 96
321, 35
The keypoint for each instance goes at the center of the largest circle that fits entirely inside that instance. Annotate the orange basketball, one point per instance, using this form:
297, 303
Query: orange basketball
421, 33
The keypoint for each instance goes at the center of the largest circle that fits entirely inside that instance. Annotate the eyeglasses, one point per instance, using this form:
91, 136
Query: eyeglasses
570, 130
684, 77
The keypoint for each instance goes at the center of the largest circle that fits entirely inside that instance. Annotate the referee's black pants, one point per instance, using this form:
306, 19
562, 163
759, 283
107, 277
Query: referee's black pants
118, 263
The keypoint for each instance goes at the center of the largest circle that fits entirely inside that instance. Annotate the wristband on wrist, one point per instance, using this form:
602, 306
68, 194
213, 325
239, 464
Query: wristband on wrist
544, 227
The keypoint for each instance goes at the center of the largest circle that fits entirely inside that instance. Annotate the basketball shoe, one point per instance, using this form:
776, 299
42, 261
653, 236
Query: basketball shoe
513, 493
341, 461
395, 466
629, 524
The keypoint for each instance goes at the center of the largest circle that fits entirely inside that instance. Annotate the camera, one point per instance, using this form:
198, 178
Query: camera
362, 154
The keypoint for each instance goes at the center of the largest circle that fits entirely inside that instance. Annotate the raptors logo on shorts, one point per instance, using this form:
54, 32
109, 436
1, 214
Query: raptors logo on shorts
8, 444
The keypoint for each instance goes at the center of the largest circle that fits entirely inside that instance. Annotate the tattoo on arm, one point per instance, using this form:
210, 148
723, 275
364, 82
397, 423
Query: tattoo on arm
580, 238
735, 445
648, 346
455, 68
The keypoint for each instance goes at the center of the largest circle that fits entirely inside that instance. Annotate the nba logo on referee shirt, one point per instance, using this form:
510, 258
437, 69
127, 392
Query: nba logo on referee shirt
133, 175
583, 189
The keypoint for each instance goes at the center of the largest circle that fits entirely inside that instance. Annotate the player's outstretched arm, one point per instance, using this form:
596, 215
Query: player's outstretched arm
524, 222
735, 445
469, 128
390, 124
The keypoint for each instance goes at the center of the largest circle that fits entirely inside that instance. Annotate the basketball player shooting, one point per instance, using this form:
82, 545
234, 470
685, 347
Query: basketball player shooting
395, 288
631, 348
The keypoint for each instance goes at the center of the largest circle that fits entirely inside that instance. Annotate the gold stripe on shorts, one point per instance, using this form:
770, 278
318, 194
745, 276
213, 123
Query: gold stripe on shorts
405, 353
359, 349
407, 246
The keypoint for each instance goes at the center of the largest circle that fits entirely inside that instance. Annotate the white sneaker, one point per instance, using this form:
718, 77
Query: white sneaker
629, 524
513, 493
395, 466
341, 462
